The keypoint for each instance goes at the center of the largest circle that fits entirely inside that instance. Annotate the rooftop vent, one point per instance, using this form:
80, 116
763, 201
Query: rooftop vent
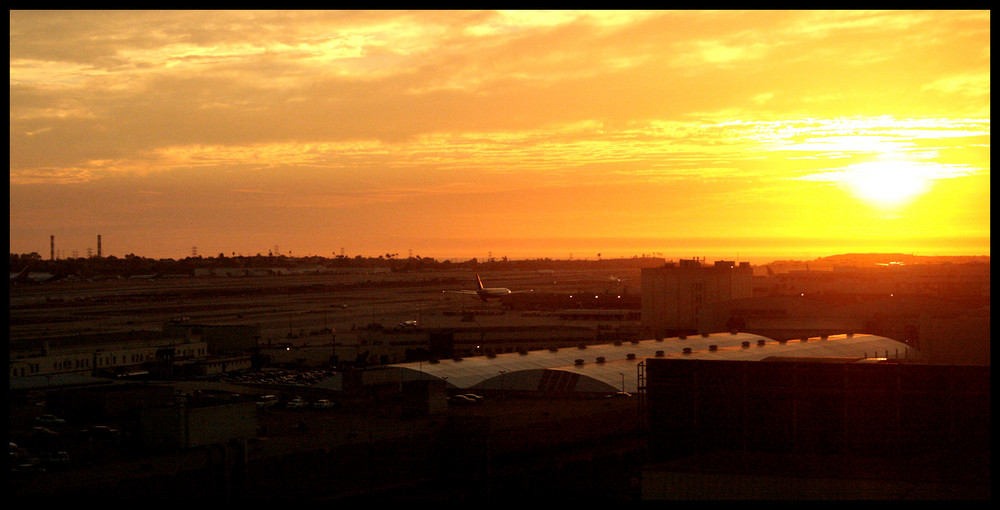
687, 350
600, 359
682, 337
618, 342
761, 343
630, 356
746, 344
581, 346
704, 335
553, 349
713, 347
659, 354
804, 339
578, 362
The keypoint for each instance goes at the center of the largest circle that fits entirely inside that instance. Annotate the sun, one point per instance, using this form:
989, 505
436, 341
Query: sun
887, 183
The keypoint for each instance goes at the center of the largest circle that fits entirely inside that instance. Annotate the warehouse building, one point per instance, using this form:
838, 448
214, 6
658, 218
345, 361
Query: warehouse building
816, 428
615, 367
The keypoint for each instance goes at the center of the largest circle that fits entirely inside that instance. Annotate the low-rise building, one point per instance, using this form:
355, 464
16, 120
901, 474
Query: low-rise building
189, 423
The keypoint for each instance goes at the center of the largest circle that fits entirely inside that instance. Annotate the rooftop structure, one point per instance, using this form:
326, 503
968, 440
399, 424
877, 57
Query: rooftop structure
614, 367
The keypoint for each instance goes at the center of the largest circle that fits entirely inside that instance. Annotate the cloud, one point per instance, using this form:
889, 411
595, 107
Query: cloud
312, 110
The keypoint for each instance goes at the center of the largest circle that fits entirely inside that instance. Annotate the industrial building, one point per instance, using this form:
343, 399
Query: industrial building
188, 423
815, 428
381, 346
944, 331
173, 351
674, 296
614, 367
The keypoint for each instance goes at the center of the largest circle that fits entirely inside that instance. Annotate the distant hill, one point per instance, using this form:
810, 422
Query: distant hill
872, 259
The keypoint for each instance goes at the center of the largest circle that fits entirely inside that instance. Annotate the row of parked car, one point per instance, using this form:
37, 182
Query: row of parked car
23, 461
267, 401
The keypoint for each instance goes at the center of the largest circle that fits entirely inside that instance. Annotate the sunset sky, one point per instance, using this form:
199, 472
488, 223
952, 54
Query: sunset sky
755, 135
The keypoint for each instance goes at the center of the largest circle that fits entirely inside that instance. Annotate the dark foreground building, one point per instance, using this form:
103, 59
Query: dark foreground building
783, 427
816, 429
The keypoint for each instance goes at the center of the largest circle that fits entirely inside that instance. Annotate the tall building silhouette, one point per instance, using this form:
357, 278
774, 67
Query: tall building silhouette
673, 296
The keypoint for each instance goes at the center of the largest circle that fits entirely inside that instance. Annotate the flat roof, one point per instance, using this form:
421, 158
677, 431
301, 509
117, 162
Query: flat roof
613, 367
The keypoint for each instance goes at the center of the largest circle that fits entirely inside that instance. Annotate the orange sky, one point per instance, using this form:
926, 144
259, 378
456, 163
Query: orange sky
750, 134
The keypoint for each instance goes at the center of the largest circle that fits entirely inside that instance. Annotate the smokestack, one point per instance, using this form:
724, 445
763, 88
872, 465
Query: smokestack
52, 247
98, 245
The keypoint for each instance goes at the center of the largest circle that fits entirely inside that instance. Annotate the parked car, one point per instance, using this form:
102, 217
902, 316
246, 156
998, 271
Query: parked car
49, 419
324, 404
43, 432
618, 394
29, 466
267, 401
296, 403
100, 432
461, 400
54, 459
473, 396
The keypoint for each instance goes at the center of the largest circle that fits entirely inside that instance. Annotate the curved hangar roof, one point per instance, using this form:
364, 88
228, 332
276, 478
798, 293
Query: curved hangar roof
613, 367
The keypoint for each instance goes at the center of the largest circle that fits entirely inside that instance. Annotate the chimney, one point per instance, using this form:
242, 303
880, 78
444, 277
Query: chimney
98, 245
52, 247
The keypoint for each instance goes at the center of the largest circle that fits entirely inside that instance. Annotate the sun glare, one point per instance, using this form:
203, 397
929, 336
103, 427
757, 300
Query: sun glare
887, 183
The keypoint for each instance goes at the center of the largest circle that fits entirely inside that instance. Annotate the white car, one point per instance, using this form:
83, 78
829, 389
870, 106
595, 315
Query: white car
323, 404
267, 401
296, 403
461, 400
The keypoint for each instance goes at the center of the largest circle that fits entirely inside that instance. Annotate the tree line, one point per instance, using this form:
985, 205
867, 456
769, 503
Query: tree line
132, 265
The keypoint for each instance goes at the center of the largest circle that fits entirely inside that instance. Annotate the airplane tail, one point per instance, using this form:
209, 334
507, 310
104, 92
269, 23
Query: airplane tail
21, 276
480, 282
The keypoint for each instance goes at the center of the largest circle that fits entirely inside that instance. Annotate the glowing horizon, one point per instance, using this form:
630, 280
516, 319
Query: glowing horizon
525, 134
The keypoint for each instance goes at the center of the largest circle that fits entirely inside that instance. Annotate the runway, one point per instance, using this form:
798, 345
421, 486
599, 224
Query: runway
297, 308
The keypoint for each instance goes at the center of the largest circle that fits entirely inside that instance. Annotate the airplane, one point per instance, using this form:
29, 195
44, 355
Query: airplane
21, 276
24, 276
487, 293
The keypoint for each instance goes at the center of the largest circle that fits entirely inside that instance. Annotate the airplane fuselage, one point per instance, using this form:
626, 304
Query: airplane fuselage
493, 293
485, 293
